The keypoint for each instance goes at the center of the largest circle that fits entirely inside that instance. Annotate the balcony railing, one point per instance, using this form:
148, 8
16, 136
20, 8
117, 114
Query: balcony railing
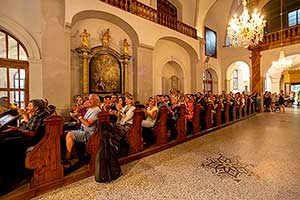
286, 36
142, 10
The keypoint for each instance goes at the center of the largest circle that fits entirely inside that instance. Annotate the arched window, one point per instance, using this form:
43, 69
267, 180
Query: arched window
207, 82
14, 82
235, 79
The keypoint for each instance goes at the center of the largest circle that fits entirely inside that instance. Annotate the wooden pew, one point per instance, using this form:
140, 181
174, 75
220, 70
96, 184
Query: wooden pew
253, 106
196, 118
45, 158
218, 115
227, 112
93, 143
160, 129
180, 124
134, 135
240, 110
234, 111
208, 116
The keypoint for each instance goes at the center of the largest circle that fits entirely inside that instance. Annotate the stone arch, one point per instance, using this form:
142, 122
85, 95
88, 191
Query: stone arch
171, 71
92, 14
243, 70
275, 75
210, 79
180, 52
126, 28
23, 36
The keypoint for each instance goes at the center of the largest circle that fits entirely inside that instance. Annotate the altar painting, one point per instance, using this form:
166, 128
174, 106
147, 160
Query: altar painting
105, 74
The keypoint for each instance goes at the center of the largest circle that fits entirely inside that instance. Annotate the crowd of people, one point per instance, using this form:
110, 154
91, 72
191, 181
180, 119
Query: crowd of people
277, 102
121, 108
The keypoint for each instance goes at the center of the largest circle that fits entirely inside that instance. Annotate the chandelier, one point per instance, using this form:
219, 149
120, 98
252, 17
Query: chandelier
282, 62
244, 31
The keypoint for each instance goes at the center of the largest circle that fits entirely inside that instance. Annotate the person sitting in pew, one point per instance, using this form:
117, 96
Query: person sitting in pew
121, 128
87, 128
150, 113
14, 142
173, 115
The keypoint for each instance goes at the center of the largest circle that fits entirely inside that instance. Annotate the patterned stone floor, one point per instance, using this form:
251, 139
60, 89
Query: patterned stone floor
258, 158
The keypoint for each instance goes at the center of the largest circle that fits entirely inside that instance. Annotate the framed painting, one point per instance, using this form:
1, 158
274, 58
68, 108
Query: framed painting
210, 42
105, 74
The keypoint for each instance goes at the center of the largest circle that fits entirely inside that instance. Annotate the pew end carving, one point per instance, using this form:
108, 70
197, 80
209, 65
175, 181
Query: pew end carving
227, 112
160, 129
134, 135
208, 116
180, 124
45, 157
219, 115
196, 118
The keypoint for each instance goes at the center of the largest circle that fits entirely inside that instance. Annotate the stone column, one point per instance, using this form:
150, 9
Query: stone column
145, 81
257, 81
125, 74
85, 54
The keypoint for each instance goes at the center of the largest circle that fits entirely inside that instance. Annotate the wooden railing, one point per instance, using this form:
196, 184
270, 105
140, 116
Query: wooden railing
142, 10
273, 40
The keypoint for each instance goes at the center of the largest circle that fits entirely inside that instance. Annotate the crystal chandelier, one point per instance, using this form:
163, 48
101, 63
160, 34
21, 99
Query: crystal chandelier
282, 62
244, 31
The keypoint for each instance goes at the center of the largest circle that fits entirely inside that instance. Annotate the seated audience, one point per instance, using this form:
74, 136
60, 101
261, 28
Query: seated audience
126, 116
87, 128
151, 114
15, 140
189, 107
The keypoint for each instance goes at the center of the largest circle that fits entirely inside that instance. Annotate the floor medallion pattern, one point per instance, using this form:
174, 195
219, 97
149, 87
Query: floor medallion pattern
224, 166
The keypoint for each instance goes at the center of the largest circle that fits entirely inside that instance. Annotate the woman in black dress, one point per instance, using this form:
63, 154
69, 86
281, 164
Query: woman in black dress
281, 101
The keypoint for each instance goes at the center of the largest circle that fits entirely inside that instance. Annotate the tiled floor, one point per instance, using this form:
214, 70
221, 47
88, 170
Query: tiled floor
258, 158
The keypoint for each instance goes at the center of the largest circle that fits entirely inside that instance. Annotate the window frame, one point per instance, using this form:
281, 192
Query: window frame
297, 17
9, 63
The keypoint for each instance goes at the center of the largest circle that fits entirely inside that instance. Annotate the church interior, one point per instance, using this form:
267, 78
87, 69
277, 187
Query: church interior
175, 99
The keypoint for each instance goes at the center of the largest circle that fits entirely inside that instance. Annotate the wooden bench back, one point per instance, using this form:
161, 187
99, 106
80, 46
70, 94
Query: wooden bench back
45, 157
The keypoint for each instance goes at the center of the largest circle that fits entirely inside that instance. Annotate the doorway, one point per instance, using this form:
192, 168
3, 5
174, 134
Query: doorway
296, 89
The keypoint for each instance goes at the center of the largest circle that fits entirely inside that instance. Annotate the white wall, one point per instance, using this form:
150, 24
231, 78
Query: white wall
165, 51
149, 33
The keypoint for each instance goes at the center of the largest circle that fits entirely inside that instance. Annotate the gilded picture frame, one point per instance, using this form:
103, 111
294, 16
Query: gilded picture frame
105, 74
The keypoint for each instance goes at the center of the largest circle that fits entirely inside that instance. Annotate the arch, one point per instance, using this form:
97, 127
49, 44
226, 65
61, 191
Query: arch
210, 81
170, 71
127, 28
23, 36
243, 79
172, 49
274, 75
183, 44
92, 14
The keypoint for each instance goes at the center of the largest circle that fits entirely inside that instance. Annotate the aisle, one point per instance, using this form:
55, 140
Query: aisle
258, 158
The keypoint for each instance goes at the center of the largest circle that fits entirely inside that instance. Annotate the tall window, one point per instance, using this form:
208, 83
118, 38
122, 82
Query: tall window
235, 79
294, 17
14, 82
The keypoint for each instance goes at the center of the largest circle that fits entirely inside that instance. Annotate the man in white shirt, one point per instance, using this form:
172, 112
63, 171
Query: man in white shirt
87, 128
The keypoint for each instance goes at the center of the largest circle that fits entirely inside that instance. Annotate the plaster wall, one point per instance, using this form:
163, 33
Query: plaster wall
15, 19
56, 55
165, 51
149, 33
